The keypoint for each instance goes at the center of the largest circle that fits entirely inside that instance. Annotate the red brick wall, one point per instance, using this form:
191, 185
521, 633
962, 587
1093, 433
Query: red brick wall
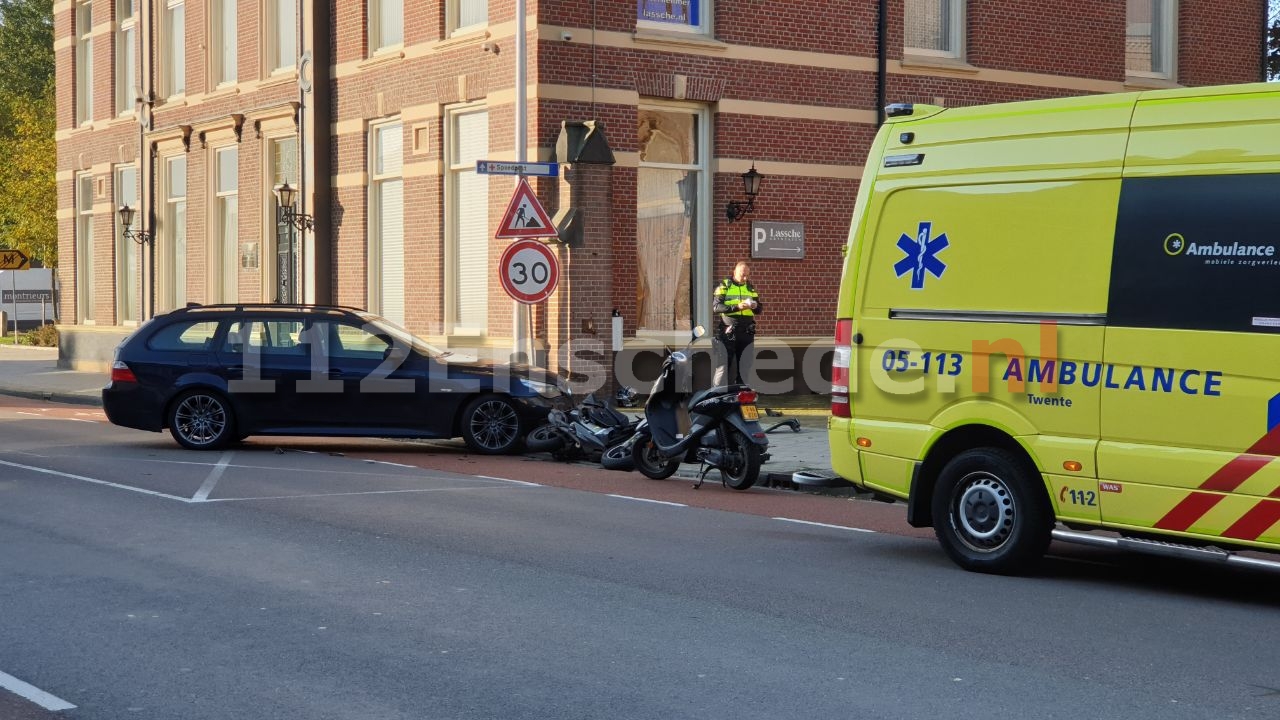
1078, 41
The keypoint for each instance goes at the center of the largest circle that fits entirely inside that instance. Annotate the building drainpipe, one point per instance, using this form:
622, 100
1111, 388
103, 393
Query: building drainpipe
882, 59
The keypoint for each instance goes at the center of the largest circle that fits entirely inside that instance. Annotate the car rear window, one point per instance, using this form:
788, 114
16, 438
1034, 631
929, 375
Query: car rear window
184, 336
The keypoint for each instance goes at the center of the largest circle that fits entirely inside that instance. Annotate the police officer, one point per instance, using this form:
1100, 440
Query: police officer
738, 304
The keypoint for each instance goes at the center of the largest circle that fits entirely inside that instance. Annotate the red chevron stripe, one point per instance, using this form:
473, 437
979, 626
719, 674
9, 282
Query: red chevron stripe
1255, 522
1226, 479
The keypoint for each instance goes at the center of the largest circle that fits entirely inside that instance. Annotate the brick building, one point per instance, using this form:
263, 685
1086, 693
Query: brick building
377, 111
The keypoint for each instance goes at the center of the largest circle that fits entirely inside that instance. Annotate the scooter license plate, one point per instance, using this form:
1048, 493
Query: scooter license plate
749, 412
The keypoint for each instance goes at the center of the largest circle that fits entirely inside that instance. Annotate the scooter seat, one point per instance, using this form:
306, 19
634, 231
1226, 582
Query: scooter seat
719, 390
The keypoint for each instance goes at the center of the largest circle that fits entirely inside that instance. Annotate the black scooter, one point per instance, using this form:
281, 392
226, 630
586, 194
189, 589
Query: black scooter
724, 432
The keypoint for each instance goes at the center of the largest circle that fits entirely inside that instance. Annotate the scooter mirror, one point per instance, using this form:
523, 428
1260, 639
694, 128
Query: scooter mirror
699, 331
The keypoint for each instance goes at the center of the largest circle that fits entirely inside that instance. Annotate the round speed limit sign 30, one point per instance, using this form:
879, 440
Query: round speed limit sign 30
529, 271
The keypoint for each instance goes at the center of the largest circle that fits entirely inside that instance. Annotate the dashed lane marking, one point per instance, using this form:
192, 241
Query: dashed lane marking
508, 480
34, 694
647, 500
94, 481
825, 525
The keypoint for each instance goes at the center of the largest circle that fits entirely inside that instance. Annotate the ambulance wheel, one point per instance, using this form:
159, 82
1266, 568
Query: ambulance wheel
990, 512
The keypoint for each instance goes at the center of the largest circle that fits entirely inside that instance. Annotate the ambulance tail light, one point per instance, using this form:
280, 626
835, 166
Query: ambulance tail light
840, 365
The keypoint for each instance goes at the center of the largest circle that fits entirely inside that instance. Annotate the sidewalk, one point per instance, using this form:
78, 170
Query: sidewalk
33, 373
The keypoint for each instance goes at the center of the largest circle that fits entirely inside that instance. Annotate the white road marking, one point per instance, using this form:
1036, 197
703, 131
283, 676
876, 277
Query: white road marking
363, 492
94, 481
384, 462
19, 412
647, 500
508, 480
95, 422
207, 487
825, 525
34, 694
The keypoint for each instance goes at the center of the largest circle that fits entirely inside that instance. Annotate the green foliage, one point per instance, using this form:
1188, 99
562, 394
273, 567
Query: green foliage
28, 188
43, 336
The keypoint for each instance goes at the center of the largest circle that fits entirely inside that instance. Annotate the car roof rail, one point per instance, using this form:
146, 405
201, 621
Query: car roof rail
240, 307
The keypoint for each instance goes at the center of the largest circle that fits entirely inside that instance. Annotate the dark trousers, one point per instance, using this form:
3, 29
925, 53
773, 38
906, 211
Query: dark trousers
733, 356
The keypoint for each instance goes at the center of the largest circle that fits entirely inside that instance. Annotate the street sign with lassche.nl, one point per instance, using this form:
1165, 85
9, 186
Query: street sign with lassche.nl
13, 260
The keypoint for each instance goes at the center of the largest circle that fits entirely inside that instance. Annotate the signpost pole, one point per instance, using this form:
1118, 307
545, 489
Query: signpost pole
13, 276
521, 341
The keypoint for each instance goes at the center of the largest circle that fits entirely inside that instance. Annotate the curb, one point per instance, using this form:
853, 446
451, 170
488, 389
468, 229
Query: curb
57, 397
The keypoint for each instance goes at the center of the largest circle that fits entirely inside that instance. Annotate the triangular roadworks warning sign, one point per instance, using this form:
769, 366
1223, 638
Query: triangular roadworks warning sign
525, 216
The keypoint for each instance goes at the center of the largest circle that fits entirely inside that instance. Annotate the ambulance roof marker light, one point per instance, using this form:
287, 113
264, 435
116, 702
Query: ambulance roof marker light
899, 109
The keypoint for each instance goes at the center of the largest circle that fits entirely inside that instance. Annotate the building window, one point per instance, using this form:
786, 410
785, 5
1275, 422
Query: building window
173, 70
282, 35
466, 222
683, 15
84, 248
386, 221
128, 259
172, 239
222, 42
223, 269
84, 63
1151, 38
281, 243
126, 63
934, 27
672, 255
467, 14
386, 24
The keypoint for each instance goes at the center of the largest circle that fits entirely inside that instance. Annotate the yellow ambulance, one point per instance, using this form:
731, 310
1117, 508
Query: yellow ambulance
1061, 320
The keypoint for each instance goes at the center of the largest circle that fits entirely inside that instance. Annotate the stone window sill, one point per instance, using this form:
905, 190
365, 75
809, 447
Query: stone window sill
1146, 82
937, 62
695, 41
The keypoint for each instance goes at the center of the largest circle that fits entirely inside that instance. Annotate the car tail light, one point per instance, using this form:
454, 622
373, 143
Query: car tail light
840, 369
120, 373
747, 397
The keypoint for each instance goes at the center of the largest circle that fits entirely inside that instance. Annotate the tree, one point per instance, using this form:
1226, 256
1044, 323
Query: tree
28, 186
1273, 41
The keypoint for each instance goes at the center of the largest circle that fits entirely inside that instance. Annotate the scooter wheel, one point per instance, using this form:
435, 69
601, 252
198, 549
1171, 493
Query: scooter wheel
544, 439
649, 460
618, 457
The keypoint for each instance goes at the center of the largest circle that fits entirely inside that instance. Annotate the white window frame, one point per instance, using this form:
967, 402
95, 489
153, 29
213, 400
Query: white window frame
126, 56
378, 300
170, 243
223, 278
955, 31
224, 61
84, 192
1165, 32
705, 10
275, 35
128, 251
455, 23
374, 31
84, 62
173, 67
701, 262
454, 167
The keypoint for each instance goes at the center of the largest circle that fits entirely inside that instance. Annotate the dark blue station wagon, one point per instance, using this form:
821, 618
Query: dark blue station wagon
217, 374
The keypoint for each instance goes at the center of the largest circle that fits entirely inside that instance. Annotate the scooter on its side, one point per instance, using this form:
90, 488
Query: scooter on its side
724, 432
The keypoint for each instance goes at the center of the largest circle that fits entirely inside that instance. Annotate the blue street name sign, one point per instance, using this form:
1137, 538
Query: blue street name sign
503, 167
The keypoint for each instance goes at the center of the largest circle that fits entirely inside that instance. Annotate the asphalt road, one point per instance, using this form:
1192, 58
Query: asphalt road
384, 581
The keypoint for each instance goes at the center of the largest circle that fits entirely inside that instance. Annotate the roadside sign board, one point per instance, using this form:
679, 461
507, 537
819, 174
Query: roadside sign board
12, 260
529, 271
525, 216
504, 167
779, 240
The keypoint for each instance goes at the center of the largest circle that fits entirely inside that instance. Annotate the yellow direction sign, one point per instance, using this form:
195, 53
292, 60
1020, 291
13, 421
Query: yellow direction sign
12, 260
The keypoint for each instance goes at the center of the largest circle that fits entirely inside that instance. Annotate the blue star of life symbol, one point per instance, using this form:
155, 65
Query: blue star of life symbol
921, 255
